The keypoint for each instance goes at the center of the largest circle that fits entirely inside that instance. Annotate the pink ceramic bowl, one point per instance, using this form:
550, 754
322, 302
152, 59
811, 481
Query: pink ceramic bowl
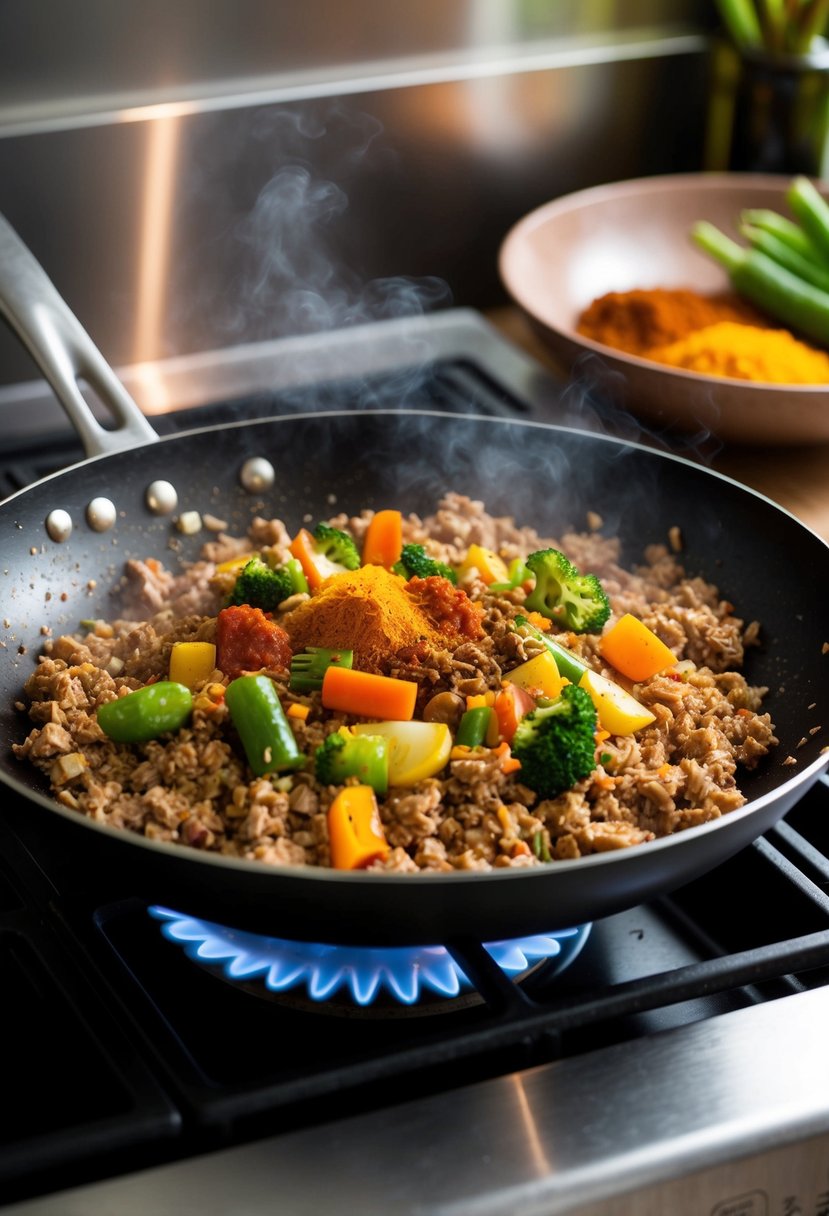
635, 234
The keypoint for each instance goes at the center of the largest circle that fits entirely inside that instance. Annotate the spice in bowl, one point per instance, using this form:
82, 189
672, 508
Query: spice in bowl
719, 335
772, 327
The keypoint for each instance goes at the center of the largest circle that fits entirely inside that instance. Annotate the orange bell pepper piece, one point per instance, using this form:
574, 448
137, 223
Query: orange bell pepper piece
355, 833
635, 650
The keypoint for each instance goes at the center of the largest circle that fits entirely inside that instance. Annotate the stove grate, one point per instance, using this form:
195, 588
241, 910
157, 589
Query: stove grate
684, 958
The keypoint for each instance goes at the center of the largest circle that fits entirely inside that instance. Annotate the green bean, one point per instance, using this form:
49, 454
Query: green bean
785, 230
777, 291
518, 573
473, 727
146, 713
812, 210
265, 732
786, 256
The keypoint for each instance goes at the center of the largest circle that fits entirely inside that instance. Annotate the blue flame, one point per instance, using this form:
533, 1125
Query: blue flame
404, 972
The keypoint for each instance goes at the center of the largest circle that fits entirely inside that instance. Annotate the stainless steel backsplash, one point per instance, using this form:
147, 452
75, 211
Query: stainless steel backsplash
203, 173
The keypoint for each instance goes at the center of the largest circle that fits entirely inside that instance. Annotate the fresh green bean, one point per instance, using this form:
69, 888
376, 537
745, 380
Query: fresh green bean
518, 573
786, 256
812, 210
777, 291
146, 713
473, 727
785, 230
299, 582
265, 732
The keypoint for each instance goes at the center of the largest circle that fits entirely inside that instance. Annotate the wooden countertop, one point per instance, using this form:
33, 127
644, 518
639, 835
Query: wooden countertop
795, 477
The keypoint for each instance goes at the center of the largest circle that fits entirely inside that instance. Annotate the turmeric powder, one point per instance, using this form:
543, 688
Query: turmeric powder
369, 611
718, 335
746, 352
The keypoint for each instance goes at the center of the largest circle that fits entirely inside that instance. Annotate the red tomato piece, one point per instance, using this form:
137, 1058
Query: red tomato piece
248, 640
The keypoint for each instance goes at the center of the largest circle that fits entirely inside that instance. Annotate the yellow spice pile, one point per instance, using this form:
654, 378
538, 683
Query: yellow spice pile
746, 352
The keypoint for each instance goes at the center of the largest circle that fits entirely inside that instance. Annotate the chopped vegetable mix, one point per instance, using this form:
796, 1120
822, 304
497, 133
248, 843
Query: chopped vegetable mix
488, 694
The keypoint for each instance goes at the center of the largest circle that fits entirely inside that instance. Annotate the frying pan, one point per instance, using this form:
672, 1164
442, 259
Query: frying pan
768, 564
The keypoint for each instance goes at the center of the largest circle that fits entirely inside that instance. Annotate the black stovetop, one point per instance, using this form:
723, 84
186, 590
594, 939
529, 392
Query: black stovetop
127, 1053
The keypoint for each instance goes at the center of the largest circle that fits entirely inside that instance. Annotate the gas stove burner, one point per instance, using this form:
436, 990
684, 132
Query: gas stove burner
361, 974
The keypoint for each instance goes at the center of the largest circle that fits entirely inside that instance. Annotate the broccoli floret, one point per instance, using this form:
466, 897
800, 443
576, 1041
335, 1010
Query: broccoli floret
555, 743
260, 586
337, 546
575, 601
415, 562
345, 755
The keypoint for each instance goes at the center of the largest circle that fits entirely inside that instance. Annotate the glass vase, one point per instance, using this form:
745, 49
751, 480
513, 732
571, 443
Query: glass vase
768, 113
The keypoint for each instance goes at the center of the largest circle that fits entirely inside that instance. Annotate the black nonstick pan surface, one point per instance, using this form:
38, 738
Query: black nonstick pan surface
769, 565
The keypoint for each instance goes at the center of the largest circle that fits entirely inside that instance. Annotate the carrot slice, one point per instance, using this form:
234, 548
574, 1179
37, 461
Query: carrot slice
302, 548
371, 696
508, 764
384, 539
635, 650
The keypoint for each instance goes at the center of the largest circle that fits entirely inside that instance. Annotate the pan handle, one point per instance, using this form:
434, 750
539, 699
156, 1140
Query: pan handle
64, 351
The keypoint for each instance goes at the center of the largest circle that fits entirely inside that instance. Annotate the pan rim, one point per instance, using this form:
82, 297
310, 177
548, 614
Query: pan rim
477, 419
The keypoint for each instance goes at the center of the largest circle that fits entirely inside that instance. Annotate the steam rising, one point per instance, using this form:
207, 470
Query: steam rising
295, 279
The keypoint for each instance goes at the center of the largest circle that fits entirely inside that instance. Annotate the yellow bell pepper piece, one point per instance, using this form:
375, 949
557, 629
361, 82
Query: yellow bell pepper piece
418, 749
234, 565
191, 663
539, 676
491, 568
617, 710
